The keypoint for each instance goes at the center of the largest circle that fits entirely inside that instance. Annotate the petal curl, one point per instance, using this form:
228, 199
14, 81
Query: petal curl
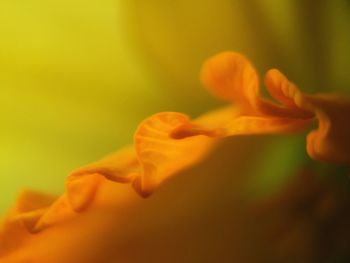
293, 102
330, 142
22, 218
161, 155
82, 184
29, 208
230, 76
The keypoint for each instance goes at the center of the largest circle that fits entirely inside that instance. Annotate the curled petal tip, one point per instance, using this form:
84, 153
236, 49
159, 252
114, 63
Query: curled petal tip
287, 93
231, 77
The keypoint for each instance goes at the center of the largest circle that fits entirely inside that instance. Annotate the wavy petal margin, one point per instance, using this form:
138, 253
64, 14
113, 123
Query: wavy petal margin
169, 142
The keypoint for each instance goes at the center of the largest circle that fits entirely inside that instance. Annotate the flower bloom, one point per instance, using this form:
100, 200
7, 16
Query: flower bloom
164, 145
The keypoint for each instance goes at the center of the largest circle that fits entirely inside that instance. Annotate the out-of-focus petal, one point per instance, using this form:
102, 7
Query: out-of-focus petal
288, 94
330, 142
230, 76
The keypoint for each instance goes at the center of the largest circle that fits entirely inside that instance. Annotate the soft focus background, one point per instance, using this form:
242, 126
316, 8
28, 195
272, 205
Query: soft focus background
76, 77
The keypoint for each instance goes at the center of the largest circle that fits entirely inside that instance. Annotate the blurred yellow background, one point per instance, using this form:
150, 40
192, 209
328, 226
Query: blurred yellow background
72, 90
76, 77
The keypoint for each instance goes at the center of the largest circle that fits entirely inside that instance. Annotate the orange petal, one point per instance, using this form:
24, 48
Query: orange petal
30, 219
209, 124
118, 167
29, 207
82, 189
280, 88
293, 101
169, 142
331, 141
59, 211
160, 155
230, 124
22, 218
29, 200
231, 77
250, 125
82, 184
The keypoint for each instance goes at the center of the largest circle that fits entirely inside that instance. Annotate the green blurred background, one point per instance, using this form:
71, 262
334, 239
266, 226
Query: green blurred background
76, 77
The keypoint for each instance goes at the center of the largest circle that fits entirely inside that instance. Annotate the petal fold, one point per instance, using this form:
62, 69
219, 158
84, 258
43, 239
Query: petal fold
330, 142
161, 155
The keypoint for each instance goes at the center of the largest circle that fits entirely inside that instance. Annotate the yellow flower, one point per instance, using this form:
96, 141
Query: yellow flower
89, 222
